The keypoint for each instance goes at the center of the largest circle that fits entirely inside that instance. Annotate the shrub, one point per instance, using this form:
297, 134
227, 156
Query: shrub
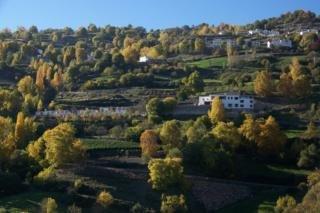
45, 175
313, 178
137, 208
49, 205
105, 199
74, 209
310, 156
284, 204
174, 203
174, 153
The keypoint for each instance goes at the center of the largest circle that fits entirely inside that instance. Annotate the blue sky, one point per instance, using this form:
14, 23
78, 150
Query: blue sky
147, 13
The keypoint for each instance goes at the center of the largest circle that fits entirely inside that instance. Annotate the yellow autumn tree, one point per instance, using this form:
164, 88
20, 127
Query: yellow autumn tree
49, 205
270, 140
7, 141
295, 68
19, 129
165, 173
57, 146
24, 130
217, 112
105, 199
149, 143
26, 86
57, 80
263, 85
130, 54
285, 85
250, 128
80, 55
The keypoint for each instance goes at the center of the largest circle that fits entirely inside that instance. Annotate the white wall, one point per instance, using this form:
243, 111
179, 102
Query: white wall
230, 101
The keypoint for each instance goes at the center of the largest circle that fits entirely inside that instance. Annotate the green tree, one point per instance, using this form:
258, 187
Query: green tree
199, 45
193, 82
227, 133
154, 108
170, 135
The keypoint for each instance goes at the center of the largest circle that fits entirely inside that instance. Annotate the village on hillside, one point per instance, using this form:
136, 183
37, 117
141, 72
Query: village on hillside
202, 118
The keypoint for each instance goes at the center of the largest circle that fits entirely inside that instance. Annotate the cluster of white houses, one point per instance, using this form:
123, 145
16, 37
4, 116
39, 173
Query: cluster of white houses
217, 41
231, 100
102, 111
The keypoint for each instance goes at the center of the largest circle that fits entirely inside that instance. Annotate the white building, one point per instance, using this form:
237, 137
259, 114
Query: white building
230, 100
279, 43
302, 32
266, 33
218, 41
143, 59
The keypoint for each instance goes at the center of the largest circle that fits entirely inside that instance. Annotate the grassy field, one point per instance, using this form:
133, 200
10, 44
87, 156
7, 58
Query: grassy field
293, 133
250, 170
27, 202
262, 202
286, 60
106, 143
212, 62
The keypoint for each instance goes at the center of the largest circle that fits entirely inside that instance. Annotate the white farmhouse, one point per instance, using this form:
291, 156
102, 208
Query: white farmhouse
279, 43
230, 100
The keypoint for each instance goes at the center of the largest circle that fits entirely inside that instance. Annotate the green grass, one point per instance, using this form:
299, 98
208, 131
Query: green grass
286, 60
105, 143
293, 133
262, 202
20, 202
212, 62
251, 170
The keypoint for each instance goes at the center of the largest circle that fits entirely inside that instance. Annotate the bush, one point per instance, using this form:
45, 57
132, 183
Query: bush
74, 209
174, 203
310, 156
49, 205
174, 153
137, 208
105, 199
133, 133
285, 204
46, 175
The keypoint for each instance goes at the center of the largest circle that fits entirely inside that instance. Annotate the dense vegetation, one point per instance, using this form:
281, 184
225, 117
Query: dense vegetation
92, 83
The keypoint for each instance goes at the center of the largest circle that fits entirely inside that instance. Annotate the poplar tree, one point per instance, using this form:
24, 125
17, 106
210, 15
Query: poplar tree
217, 112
